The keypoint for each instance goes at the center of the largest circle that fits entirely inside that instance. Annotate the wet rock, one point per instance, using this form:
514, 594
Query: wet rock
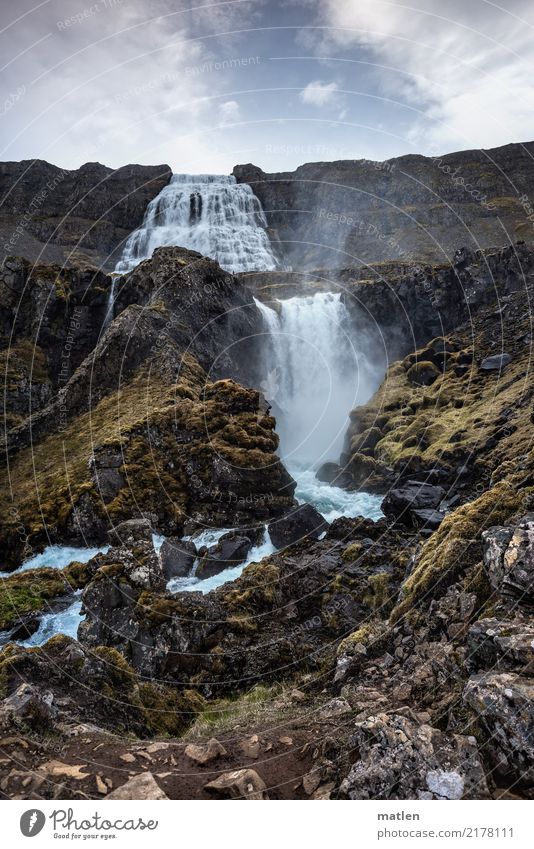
177, 557
304, 521
239, 784
333, 474
400, 502
509, 559
497, 362
25, 629
142, 787
401, 759
231, 549
202, 755
504, 706
502, 645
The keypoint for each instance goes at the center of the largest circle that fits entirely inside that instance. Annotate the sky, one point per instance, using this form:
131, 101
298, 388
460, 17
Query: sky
205, 86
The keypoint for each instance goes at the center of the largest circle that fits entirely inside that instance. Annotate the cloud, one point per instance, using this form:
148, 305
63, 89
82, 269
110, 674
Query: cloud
463, 69
229, 111
115, 81
318, 93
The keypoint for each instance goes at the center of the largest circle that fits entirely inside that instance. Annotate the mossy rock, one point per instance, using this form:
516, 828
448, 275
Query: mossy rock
423, 373
30, 591
457, 545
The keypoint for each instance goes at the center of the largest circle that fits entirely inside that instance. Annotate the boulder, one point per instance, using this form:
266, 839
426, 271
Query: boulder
202, 755
177, 557
333, 474
239, 784
401, 502
497, 362
426, 518
402, 759
142, 787
130, 532
504, 706
502, 645
304, 522
509, 559
231, 549
423, 373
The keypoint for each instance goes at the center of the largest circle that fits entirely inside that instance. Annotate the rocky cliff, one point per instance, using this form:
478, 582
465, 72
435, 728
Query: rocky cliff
412, 208
49, 214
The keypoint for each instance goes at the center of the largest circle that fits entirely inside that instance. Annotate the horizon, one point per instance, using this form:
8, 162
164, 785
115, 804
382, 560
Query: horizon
277, 84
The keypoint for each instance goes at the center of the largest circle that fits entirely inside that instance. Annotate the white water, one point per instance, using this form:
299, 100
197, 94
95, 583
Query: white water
57, 557
332, 501
314, 375
110, 308
211, 537
65, 622
207, 213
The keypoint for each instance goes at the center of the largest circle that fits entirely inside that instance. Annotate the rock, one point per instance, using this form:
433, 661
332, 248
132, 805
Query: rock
400, 759
25, 629
426, 518
497, 362
231, 549
304, 521
502, 645
328, 472
509, 559
504, 706
335, 707
130, 532
250, 747
311, 781
423, 373
31, 703
142, 787
202, 755
239, 784
400, 502
177, 557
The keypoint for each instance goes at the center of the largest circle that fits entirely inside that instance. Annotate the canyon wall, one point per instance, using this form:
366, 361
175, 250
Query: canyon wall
49, 214
412, 208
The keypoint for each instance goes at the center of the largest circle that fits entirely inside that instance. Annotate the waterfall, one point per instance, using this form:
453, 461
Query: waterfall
110, 307
313, 375
211, 214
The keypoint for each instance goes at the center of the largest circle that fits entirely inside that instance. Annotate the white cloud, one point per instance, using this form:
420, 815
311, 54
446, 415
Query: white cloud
229, 111
318, 93
465, 69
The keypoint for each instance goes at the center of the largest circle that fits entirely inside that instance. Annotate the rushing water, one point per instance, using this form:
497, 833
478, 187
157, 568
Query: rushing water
314, 374
65, 621
211, 214
57, 557
209, 538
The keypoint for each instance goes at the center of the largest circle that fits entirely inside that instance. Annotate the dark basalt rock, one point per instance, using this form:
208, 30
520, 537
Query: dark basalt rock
509, 559
84, 214
303, 522
231, 549
427, 518
497, 362
177, 557
400, 502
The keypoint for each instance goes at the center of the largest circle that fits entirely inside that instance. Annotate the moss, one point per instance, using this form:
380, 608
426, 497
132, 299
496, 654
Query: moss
456, 545
169, 711
379, 596
118, 669
257, 588
372, 633
352, 552
29, 592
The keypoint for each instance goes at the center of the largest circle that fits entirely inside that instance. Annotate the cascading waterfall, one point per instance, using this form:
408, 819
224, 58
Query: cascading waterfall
314, 375
110, 307
211, 214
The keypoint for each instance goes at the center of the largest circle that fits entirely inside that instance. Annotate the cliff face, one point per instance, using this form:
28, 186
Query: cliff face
411, 208
49, 214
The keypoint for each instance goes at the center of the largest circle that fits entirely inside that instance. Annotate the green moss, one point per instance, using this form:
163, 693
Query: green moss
456, 545
169, 711
29, 592
379, 596
256, 589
